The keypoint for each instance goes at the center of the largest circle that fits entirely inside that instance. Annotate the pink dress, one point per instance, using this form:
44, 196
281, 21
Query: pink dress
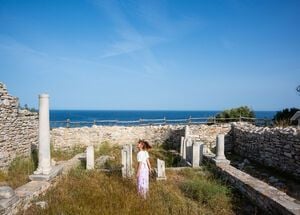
143, 179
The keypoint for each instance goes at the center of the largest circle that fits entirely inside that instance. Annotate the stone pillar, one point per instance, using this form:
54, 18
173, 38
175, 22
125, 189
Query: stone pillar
181, 146
189, 149
7, 198
184, 149
161, 170
186, 131
220, 156
45, 171
196, 155
90, 160
202, 151
126, 152
44, 166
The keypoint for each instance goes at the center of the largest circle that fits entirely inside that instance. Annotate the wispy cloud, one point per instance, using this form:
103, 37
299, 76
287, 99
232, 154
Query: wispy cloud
43, 62
140, 25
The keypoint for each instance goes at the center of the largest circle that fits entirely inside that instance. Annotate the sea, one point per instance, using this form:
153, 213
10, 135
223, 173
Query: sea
106, 117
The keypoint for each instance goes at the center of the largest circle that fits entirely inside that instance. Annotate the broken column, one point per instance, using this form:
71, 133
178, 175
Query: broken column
90, 160
181, 146
44, 171
220, 156
189, 149
127, 170
161, 170
186, 131
196, 154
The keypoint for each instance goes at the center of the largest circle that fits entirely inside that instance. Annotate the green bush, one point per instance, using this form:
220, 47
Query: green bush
282, 118
243, 111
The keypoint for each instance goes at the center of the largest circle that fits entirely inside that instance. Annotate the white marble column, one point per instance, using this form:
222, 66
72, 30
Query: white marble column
44, 166
220, 147
220, 156
189, 149
181, 146
186, 131
90, 160
127, 169
196, 154
161, 170
184, 149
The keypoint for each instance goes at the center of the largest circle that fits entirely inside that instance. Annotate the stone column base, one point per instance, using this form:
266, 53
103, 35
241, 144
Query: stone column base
56, 170
221, 161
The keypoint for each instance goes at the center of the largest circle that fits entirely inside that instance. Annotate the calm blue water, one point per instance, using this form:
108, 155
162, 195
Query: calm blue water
91, 115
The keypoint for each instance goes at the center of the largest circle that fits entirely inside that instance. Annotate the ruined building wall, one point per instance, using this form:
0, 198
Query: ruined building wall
18, 129
274, 147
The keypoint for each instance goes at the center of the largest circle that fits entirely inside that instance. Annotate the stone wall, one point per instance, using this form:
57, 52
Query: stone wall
272, 147
18, 129
65, 138
208, 133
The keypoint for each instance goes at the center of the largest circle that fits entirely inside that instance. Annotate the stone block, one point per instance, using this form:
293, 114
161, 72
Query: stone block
126, 153
5, 203
6, 192
161, 170
196, 155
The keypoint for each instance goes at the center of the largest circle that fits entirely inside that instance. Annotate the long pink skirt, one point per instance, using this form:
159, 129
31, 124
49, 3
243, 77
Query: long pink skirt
143, 181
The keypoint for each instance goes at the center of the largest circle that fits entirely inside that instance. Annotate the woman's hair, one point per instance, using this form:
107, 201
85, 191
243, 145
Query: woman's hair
146, 145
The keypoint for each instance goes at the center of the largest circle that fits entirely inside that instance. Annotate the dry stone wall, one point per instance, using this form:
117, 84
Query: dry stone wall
273, 147
208, 133
65, 138
18, 129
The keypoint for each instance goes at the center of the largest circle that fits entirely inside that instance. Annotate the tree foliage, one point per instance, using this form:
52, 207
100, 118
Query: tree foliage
243, 111
283, 117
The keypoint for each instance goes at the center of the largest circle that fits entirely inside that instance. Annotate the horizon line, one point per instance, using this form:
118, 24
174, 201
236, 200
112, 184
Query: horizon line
144, 110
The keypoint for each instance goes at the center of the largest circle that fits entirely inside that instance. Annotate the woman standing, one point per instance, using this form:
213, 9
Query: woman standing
144, 168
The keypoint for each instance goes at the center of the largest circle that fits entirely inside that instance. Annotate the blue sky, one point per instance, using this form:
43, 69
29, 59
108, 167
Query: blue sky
152, 55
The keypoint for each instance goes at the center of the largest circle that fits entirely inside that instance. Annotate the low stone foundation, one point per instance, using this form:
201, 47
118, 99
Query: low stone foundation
268, 198
28, 192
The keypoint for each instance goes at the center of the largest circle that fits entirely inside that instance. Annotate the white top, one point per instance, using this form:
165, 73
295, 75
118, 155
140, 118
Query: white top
142, 156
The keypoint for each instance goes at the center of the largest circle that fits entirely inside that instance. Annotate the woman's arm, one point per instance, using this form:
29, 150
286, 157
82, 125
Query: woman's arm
138, 169
148, 163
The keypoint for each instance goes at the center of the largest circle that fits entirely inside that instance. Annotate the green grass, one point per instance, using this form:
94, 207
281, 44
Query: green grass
59, 155
92, 192
190, 191
19, 171
171, 160
206, 190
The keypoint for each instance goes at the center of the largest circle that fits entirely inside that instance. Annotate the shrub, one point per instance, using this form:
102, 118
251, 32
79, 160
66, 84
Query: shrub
282, 118
243, 111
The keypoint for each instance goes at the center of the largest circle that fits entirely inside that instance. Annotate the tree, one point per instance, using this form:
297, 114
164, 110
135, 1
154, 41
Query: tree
243, 111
